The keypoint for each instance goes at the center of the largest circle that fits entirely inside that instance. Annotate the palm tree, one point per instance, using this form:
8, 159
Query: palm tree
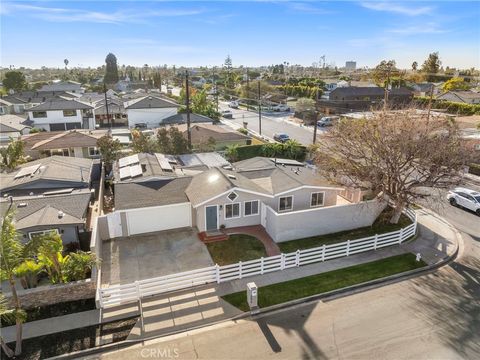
272, 150
51, 257
292, 148
11, 251
231, 152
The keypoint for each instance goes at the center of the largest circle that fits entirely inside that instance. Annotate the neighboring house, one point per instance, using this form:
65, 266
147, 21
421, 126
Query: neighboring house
201, 134
74, 143
20, 102
117, 116
471, 139
467, 97
51, 194
424, 89
181, 118
149, 111
70, 86
11, 126
60, 114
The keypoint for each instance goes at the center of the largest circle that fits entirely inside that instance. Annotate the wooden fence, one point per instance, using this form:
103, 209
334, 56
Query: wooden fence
119, 294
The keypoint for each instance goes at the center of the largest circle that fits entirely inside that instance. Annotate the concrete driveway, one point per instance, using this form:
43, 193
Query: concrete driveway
150, 255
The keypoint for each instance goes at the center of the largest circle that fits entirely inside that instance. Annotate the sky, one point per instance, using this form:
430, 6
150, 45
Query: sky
253, 33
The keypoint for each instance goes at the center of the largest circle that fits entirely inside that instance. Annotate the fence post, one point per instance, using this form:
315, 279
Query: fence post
282, 261
217, 273
348, 247
297, 258
324, 247
261, 265
137, 289
375, 242
401, 236
100, 298
239, 269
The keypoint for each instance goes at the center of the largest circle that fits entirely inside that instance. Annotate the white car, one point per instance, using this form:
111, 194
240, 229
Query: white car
466, 198
227, 114
233, 104
281, 107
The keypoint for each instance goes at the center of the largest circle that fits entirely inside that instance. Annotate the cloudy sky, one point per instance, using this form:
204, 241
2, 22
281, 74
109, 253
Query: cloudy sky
193, 33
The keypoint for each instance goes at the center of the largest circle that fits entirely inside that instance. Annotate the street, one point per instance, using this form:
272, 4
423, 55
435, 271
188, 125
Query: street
434, 316
271, 123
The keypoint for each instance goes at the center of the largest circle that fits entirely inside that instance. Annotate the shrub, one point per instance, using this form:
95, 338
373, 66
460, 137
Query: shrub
243, 131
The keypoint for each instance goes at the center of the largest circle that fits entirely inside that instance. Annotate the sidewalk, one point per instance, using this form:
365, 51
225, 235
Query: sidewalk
436, 242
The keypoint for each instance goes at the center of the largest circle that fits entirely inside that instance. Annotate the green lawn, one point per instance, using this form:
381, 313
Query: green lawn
380, 226
317, 284
238, 247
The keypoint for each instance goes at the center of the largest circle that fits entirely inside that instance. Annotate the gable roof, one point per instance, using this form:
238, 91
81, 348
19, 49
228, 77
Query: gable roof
368, 91
12, 123
67, 139
462, 95
150, 102
182, 119
62, 86
201, 133
60, 104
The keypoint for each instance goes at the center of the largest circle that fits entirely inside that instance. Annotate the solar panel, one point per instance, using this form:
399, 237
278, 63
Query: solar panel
163, 161
27, 171
124, 173
129, 160
135, 170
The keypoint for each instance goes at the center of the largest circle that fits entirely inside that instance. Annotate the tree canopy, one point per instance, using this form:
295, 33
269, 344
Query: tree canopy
456, 83
14, 80
12, 155
111, 69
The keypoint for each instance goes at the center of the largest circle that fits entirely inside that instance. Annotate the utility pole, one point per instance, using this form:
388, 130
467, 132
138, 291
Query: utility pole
259, 110
430, 103
248, 85
214, 81
187, 97
106, 106
315, 126
385, 100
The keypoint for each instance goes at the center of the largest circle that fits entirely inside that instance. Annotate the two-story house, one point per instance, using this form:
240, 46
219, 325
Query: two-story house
149, 111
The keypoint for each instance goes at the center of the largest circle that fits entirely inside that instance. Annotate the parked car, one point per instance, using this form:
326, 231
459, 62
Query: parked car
281, 107
233, 104
227, 114
466, 198
281, 137
327, 121
140, 126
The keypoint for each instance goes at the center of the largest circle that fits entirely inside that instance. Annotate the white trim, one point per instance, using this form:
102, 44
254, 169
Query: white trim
286, 210
310, 187
42, 232
149, 207
206, 216
258, 208
229, 191
232, 192
233, 217
323, 199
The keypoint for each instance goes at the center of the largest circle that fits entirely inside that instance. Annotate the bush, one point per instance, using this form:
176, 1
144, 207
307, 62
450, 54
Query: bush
250, 151
450, 106
243, 131
474, 169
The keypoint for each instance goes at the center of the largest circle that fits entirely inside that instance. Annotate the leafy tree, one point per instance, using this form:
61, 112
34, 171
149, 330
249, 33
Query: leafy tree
207, 146
12, 155
50, 255
28, 271
79, 264
109, 150
11, 254
272, 149
456, 83
384, 72
305, 105
14, 80
251, 91
231, 152
163, 140
142, 143
414, 66
395, 155
178, 141
9, 315
431, 66
111, 70
292, 148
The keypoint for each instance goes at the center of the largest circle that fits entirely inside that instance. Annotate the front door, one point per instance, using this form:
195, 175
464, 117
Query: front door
211, 218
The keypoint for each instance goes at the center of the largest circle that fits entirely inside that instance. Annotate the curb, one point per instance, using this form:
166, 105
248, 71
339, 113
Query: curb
327, 296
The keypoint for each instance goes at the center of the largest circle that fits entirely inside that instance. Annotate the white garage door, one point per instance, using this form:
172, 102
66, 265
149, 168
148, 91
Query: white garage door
159, 218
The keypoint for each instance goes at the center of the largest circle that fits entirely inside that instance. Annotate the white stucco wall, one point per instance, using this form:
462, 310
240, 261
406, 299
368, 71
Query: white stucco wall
319, 221
151, 117
56, 117
302, 198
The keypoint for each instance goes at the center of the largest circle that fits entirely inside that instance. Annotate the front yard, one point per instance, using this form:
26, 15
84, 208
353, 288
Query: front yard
380, 226
238, 247
317, 284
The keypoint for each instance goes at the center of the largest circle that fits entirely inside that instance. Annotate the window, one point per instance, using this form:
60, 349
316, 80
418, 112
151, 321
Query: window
73, 125
93, 151
61, 152
232, 211
285, 203
232, 196
69, 112
317, 199
35, 234
251, 208
39, 114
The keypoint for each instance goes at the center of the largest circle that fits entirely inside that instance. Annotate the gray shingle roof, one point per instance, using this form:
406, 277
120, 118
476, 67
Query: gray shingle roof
61, 104
152, 193
11, 123
366, 91
182, 119
148, 102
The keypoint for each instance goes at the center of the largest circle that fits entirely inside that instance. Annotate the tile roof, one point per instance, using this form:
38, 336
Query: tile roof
149, 101
151, 193
11, 123
60, 104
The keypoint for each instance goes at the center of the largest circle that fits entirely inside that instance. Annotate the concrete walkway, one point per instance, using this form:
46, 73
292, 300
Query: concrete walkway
181, 310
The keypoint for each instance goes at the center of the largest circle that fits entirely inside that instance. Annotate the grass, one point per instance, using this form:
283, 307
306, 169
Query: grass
317, 284
380, 226
238, 247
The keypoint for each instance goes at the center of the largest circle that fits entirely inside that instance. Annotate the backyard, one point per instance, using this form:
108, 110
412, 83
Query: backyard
238, 247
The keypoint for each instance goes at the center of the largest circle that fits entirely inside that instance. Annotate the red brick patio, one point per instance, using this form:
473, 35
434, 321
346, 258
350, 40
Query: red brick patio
259, 232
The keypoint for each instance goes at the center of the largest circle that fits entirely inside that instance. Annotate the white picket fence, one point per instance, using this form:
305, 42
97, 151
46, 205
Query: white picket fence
120, 294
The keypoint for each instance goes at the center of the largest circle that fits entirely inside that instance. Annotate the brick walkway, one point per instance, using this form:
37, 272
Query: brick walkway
259, 232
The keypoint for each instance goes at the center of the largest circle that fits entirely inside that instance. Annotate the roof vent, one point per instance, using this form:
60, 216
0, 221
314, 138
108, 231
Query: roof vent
60, 214
22, 205
31, 193
231, 176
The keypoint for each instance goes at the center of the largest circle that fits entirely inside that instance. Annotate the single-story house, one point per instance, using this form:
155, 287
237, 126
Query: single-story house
67, 86
223, 136
12, 126
149, 111
467, 97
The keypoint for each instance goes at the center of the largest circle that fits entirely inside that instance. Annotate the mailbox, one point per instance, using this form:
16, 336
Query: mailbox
252, 295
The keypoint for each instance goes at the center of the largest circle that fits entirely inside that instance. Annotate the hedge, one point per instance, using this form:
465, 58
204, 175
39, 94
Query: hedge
250, 151
452, 107
474, 169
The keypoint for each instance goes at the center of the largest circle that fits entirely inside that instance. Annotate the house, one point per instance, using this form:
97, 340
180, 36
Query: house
70, 86
117, 116
149, 111
181, 118
74, 143
11, 126
18, 103
424, 89
202, 134
51, 194
467, 97
61, 114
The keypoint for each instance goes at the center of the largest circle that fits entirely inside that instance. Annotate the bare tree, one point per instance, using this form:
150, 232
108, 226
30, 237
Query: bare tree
394, 154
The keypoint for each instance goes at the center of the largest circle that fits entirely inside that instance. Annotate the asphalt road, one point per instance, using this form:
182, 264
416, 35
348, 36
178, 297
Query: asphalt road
271, 123
434, 316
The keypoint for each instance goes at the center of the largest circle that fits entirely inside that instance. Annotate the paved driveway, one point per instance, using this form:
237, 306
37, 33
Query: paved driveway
150, 255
